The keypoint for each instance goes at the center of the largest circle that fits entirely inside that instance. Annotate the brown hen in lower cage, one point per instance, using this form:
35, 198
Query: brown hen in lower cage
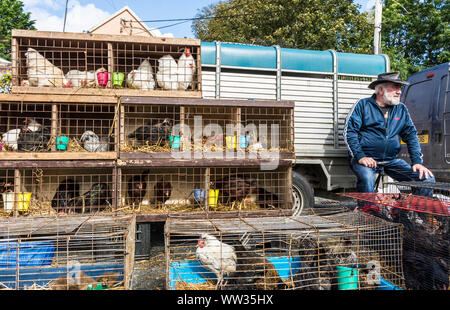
338, 251
61, 253
204, 189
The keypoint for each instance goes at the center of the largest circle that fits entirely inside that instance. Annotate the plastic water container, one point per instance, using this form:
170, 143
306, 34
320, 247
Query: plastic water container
199, 195
23, 201
174, 142
213, 197
62, 142
347, 278
102, 78
243, 141
118, 78
231, 142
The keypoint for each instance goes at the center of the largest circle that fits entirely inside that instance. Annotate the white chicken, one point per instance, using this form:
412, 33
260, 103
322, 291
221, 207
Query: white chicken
186, 69
167, 74
218, 257
142, 77
76, 78
92, 143
42, 72
10, 137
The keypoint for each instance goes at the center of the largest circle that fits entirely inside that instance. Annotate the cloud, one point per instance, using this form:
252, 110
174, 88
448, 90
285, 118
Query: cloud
49, 16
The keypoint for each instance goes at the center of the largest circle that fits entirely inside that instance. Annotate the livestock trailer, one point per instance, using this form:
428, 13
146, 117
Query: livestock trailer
323, 84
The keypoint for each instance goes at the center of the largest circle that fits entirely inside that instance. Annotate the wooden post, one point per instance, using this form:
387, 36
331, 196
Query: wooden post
288, 204
122, 126
110, 64
118, 182
17, 187
237, 123
114, 188
207, 181
14, 62
129, 255
54, 131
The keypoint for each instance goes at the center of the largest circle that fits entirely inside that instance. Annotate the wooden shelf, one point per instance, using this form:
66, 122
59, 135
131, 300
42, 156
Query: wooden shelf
80, 93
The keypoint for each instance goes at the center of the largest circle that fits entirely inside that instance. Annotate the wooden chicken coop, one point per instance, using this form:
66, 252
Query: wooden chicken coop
104, 65
61, 253
426, 224
58, 127
335, 251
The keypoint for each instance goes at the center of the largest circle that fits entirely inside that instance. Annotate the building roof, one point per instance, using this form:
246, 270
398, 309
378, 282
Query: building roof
130, 11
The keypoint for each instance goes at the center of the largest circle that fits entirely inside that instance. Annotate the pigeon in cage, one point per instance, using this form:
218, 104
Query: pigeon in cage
167, 74
162, 191
216, 256
42, 72
153, 132
96, 199
186, 69
92, 142
137, 187
67, 190
33, 137
142, 77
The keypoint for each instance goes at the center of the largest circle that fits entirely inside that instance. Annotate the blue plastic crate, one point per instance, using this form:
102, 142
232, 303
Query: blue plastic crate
193, 272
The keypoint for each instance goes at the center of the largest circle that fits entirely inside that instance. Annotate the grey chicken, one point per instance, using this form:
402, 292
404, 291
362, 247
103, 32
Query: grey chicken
92, 143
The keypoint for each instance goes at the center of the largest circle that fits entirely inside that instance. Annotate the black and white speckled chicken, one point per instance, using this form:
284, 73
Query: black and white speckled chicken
96, 199
153, 132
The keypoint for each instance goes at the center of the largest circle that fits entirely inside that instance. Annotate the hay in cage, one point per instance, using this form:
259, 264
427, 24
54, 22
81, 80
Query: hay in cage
333, 251
72, 252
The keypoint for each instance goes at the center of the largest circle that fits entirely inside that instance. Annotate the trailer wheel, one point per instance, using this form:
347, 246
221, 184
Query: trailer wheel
302, 193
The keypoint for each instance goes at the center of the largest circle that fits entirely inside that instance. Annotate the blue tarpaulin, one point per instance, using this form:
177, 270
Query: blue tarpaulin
26, 254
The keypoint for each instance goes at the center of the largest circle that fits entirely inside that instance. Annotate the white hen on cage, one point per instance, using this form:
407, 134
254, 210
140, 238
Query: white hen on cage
142, 77
42, 72
186, 69
167, 75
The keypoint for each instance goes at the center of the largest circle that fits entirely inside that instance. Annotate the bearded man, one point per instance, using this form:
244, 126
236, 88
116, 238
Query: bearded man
372, 131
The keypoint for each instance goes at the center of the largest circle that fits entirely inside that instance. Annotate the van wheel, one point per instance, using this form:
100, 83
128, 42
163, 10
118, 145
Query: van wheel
302, 193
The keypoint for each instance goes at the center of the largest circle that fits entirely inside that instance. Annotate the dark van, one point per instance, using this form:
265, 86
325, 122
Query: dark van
428, 100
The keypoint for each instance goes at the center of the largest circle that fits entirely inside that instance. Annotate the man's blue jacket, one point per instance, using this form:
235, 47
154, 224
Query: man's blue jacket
367, 134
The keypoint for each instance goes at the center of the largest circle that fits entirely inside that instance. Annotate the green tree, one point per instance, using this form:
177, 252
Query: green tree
12, 16
304, 24
415, 34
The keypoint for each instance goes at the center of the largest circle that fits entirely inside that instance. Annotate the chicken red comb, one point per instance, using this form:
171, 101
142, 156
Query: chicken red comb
188, 52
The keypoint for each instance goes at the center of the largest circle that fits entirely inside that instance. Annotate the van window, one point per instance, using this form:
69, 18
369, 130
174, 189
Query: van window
442, 89
418, 99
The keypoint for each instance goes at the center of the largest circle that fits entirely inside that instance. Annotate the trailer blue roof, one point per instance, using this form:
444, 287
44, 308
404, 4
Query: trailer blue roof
264, 57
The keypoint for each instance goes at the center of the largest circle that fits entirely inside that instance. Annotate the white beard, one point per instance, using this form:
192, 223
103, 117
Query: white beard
390, 100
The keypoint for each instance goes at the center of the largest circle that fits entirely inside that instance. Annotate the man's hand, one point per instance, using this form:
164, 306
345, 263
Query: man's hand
368, 162
423, 171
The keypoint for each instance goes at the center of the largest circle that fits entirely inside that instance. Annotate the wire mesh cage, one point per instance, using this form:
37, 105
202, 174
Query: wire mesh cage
74, 60
64, 127
52, 191
343, 251
62, 253
426, 224
148, 128
206, 126
203, 189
